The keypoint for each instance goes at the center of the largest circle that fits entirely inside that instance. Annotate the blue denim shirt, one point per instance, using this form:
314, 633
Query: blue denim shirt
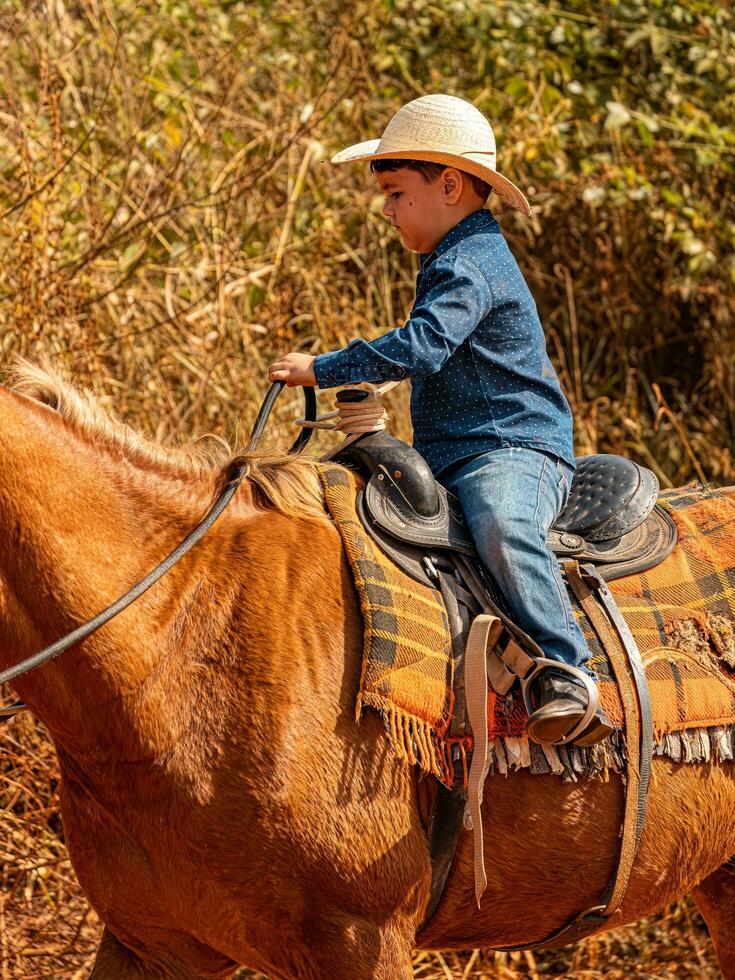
475, 351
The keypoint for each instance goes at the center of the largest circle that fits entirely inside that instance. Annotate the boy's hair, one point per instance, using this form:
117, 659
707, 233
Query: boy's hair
430, 172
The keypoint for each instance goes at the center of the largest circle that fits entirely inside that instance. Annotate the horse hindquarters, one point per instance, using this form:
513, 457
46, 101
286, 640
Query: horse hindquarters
715, 899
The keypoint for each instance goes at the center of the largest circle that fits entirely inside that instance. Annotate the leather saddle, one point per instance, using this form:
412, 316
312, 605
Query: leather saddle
611, 519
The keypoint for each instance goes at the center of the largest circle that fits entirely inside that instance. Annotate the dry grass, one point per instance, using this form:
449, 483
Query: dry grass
171, 223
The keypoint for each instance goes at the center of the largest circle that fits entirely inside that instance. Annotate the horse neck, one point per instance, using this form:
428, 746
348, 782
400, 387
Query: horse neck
79, 526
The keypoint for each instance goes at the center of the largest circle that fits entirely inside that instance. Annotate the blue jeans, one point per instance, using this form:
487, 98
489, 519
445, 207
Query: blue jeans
510, 498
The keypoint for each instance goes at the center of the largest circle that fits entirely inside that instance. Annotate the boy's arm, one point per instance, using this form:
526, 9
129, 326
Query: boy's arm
457, 299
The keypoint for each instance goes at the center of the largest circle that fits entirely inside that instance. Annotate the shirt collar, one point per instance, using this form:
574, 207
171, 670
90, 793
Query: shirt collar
470, 225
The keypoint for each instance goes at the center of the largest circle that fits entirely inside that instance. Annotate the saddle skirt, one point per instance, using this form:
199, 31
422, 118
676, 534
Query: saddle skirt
681, 612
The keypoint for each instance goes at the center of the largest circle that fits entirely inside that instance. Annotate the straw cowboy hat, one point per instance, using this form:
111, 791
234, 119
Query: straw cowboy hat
441, 129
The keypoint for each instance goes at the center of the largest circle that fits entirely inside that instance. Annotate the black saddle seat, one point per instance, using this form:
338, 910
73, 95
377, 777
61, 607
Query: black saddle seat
610, 495
609, 503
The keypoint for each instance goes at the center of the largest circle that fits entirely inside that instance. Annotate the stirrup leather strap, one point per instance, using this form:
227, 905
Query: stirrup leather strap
483, 634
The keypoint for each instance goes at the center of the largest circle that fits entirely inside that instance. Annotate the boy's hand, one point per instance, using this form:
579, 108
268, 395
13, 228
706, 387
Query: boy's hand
294, 369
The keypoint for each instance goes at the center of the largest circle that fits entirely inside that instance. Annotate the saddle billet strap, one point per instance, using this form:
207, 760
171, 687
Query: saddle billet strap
445, 823
449, 803
630, 675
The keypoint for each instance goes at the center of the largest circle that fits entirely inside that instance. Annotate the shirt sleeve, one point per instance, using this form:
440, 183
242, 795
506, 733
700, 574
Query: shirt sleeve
457, 298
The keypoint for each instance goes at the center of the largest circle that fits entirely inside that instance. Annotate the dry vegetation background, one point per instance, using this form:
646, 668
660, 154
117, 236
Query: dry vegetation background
170, 223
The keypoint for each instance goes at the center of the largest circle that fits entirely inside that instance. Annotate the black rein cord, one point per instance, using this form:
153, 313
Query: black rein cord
83, 631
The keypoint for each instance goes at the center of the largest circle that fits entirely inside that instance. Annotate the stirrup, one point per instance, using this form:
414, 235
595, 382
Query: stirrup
593, 696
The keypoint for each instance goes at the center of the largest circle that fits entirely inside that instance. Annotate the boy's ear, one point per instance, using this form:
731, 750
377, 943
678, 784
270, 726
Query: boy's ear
451, 184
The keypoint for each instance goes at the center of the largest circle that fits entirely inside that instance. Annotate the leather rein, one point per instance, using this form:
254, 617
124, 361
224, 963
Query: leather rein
195, 535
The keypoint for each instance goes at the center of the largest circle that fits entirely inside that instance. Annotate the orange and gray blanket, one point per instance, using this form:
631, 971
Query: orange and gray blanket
682, 614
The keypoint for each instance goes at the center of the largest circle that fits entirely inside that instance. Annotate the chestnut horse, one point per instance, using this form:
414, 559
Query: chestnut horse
220, 803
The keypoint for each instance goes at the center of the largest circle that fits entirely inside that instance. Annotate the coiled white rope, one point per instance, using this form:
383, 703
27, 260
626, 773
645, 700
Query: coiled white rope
360, 410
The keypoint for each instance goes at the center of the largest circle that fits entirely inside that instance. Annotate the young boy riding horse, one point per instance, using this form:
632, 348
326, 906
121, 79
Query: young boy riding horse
488, 413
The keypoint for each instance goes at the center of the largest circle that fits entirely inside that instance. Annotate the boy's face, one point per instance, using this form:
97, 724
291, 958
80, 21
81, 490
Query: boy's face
416, 208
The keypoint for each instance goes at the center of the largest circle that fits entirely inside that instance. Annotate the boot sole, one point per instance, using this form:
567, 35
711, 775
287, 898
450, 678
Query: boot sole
553, 725
596, 731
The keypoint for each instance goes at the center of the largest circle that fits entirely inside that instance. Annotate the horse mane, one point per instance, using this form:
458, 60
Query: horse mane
288, 483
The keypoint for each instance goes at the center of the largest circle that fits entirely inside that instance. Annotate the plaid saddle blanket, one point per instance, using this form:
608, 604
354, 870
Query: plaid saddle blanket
681, 613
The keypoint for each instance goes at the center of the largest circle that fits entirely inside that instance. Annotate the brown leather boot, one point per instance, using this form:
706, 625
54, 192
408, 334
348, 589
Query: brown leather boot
560, 701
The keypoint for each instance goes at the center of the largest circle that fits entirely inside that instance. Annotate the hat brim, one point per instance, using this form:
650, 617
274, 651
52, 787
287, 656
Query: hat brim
506, 189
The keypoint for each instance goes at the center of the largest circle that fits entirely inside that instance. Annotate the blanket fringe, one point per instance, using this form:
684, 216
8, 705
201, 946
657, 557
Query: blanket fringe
570, 762
412, 739
417, 743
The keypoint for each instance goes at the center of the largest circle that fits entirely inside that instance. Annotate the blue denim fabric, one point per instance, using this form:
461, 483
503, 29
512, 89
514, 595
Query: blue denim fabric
475, 351
510, 498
